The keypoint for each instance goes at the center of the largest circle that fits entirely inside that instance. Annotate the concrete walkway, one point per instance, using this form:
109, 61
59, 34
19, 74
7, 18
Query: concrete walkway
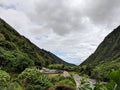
77, 80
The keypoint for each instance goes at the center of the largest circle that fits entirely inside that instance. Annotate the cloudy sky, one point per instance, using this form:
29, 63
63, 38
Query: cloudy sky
71, 29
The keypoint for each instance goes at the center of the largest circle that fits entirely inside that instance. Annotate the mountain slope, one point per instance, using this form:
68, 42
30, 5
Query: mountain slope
107, 55
17, 52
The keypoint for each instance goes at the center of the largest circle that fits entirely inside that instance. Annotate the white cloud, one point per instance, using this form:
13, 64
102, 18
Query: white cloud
72, 27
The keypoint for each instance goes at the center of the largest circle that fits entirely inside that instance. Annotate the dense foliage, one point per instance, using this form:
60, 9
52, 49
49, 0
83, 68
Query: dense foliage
4, 78
64, 67
33, 79
6, 83
14, 61
115, 76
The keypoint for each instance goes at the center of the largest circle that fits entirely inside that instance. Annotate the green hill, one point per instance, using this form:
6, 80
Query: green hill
106, 57
17, 52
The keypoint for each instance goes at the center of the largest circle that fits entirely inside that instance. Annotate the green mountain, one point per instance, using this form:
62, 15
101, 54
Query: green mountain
106, 57
17, 52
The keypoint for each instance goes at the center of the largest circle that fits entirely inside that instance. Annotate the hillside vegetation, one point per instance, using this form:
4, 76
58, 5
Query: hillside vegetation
18, 53
105, 58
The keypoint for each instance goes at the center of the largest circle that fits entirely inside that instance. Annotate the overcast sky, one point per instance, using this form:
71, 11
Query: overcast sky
71, 29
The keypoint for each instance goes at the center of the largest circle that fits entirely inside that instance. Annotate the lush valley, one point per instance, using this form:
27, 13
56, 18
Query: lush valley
22, 62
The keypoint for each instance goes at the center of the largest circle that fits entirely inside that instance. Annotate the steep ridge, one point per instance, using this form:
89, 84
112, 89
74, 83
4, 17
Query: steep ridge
17, 52
107, 55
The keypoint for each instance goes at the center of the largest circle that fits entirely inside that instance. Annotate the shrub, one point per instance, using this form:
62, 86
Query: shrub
66, 82
4, 78
31, 78
14, 86
111, 85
